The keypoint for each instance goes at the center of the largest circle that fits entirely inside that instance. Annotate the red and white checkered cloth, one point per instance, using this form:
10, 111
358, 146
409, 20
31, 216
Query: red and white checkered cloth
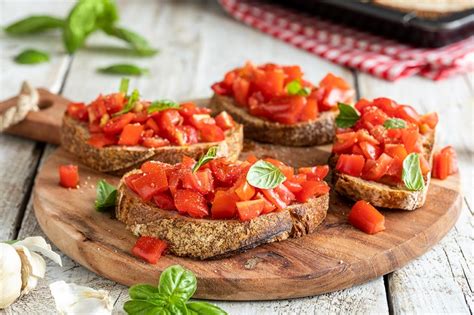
378, 56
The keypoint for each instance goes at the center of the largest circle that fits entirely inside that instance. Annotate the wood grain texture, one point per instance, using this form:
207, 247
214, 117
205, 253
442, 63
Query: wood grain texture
442, 280
336, 256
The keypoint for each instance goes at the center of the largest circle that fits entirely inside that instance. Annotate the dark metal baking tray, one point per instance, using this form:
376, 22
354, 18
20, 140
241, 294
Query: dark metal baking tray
405, 27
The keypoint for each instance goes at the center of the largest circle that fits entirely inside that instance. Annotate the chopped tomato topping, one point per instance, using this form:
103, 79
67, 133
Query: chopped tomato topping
224, 205
212, 133
130, 134
445, 163
311, 188
149, 248
350, 164
78, 111
69, 176
225, 121
191, 202
366, 218
250, 209
164, 201
150, 184
100, 140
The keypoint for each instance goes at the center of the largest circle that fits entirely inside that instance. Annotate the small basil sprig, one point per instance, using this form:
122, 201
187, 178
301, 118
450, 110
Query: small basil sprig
394, 123
265, 175
411, 173
158, 106
295, 88
124, 85
206, 158
347, 117
123, 69
31, 56
176, 286
132, 99
106, 195
34, 24
137, 42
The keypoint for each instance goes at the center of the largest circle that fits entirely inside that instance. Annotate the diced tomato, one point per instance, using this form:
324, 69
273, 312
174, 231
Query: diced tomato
188, 109
150, 184
372, 117
78, 111
387, 105
244, 190
225, 121
140, 117
350, 164
311, 188
363, 135
169, 118
431, 119
116, 124
224, 172
344, 142
330, 80
310, 111
164, 201
96, 110
292, 73
199, 120
131, 134
100, 140
398, 153
410, 140
251, 158
69, 176
154, 142
212, 133
149, 248
114, 102
206, 181
316, 172
240, 88
220, 89
379, 169
369, 150
224, 205
250, 209
284, 109
151, 124
94, 128
357, 150
269, 206
270, 83
191, 134
445, 163
274, 198
129, 180
191, 202
407, 113
361, 104
293, 186
366, 218
154, 167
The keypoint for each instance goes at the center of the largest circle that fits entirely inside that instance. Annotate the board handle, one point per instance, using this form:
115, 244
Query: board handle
42, 125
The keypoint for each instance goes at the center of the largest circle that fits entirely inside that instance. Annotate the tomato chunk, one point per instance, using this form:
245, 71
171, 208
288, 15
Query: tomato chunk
224, 205
69, 176
150, 184
78, 111
191, 202
101, 140
212, 133
244, 191
131, 134
350, 164
116, 124
445, 163
366, 218
164, 201
149, 249
311, 188
250, 209
225, 121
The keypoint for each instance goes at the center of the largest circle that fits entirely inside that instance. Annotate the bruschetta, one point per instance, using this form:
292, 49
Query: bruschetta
382, 153
222, 208
118, 132
277, 105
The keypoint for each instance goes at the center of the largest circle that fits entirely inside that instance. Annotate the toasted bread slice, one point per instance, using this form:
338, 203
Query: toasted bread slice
319, 131
120, 159
206, 238
383, 195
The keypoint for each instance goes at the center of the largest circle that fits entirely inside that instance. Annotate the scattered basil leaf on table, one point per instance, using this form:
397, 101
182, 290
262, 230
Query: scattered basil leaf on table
132, 99
347, 117
209, 156
136, 41
106, 195
265, 175
295, 88
394, 123
34, 24
86, 17
124, 85
411, 173
124, 69
31, 56
158, 106
176, 286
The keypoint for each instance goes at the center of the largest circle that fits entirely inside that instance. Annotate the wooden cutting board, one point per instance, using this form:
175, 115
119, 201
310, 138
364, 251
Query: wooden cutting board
337, 256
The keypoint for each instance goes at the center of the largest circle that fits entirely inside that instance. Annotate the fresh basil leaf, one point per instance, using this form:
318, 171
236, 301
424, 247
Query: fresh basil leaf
31, 56
209, 156
177, 283
265, 175
411, 173
158, 106
295, 88
130, 103
136, 41
204, 308
34, 24
347, 117
124, 85
123, 69
106, 195
143, 292
145, 307
394, 123
86, 17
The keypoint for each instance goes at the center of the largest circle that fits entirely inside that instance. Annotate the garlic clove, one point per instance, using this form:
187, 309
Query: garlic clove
10, 275
38, 244
71, 299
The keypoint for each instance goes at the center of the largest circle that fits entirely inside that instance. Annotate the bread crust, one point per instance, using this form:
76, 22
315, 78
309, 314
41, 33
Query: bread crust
118, 159
320, 131
207, 238
383, 195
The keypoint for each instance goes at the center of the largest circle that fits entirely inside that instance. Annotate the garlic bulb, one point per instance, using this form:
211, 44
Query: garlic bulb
21, 260
71, 299
10, 275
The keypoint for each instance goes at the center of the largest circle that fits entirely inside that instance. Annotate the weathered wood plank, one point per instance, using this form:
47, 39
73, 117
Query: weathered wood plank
441, 281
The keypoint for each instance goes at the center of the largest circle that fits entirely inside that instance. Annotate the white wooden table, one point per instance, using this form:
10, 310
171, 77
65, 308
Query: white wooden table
198, 43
